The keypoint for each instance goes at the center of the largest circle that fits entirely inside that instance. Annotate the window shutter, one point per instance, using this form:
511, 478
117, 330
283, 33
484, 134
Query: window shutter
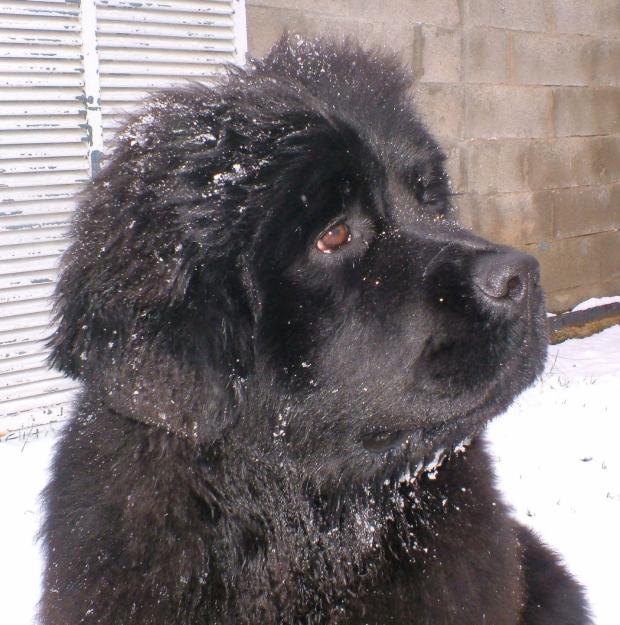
43, 160
69, 72
145, 46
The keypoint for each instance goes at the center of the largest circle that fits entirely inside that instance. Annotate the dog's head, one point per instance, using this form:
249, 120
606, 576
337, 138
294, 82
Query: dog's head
276, 259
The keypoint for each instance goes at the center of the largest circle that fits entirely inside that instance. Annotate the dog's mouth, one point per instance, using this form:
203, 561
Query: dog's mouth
379, 442
490, 399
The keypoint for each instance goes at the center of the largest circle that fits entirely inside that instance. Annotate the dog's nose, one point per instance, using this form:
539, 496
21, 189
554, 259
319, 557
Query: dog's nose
505, 278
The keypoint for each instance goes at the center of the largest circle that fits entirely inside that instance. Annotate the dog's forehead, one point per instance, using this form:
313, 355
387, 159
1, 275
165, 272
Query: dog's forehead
341, 73
370, 91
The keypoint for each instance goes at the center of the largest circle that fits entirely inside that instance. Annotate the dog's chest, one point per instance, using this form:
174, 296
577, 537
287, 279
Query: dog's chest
391, 561
324, 567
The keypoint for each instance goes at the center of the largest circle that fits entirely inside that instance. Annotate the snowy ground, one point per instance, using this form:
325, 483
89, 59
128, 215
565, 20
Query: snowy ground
557, 461
559, 465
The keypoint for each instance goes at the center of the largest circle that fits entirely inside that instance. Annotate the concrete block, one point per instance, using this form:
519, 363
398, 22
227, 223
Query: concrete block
600, 17
510, 218
532, 15
567, 263
439, 12
266, 25
441, 55
606, 158
485, 56
606, 62
586, 111
543, 59
609, 245
464, 210
441, 108
563, 300
584, 210
506, 111
553, 164
573, 162
455, 167
495, 166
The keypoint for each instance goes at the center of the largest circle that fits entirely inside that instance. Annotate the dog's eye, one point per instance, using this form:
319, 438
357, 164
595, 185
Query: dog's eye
334, 238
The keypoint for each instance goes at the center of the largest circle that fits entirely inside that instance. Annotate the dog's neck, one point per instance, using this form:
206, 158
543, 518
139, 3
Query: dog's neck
362, 531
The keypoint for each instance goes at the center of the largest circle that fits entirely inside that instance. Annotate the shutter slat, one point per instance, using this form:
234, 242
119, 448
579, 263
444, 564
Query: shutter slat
38, 193
176, 44
36, 411
38, 10
67, 2
25, 280
20, 165
40, 80
39, 122
14, 309
10, 297
167, 30
48, 178
41, 108
39, 66
147, 82
172, 69
11, 341
51, 24
26, 350
29, 51
26, 222
24, 322
19, 137
41, 94
151, 16
47, 207
41, 151
221, 7
41, 374
32, 235
122, 96
24, 363
32, 249
164, 56
41, 389
33, 37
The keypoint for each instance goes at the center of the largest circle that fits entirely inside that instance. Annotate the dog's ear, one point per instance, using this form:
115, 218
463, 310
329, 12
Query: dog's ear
152, 311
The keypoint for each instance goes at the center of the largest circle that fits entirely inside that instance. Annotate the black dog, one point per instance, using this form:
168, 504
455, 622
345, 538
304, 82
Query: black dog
288, 349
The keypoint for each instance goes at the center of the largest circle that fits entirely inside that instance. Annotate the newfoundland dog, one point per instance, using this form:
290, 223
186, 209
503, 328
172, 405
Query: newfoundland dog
288, 349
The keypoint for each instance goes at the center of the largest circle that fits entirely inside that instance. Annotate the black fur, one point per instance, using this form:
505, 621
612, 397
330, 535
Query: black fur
268, 433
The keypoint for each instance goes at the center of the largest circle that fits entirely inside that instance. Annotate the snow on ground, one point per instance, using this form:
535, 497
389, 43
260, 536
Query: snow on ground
23, 473
598, 301
557, 463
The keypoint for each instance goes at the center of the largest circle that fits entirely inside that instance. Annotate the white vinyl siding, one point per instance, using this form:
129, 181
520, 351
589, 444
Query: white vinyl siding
69, 71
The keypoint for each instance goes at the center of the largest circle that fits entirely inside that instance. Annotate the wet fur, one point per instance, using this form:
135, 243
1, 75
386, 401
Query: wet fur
227, 459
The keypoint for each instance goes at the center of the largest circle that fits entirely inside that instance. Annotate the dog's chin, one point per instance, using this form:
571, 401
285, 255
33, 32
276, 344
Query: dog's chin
380, 442
391, 452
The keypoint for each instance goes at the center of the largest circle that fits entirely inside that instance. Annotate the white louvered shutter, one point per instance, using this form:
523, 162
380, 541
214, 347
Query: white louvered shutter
69, 71
43, 160
146, 45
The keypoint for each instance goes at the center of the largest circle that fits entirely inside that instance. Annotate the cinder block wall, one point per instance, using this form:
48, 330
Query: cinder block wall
524, 96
